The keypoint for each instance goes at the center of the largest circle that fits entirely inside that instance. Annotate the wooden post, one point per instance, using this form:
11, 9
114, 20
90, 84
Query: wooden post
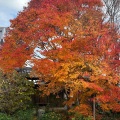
94, 109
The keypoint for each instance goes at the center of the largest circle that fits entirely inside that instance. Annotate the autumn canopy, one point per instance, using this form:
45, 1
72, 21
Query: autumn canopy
78, 50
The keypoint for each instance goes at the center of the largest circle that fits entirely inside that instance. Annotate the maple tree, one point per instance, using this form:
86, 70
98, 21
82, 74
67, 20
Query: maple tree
75, 41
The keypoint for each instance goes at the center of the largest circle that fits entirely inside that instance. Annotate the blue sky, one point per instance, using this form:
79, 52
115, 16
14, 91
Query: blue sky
9, 10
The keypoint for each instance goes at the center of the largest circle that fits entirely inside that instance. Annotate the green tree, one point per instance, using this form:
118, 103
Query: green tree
15, 92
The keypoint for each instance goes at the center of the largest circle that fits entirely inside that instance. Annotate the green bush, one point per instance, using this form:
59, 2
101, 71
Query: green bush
111, 116
24, 115
19, 115
77, 116
51, 116
5, 117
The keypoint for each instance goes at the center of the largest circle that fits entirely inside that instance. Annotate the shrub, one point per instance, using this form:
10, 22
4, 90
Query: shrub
24, 115
51, 116
111, 116
77, 116
5, 117
19, 115
80, 117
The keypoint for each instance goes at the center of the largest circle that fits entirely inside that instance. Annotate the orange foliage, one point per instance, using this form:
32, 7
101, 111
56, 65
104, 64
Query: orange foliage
84, 109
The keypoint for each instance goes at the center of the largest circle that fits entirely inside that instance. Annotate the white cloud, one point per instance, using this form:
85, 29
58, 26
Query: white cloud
13, 4
9, 10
